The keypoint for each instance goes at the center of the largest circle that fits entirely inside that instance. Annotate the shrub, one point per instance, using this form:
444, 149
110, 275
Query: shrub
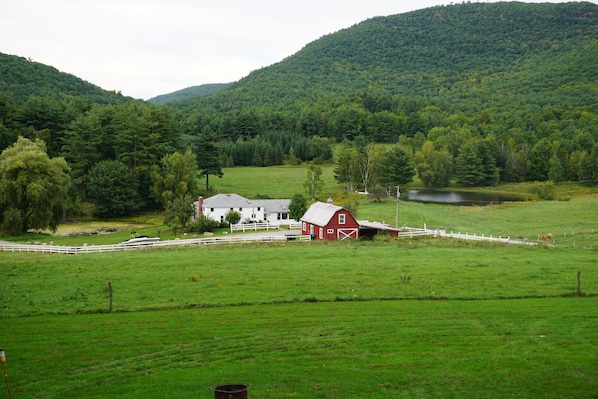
232, 217
544, 191
204, 224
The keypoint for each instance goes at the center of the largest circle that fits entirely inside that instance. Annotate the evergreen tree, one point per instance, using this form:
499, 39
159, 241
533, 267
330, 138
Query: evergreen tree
475, 165
81, 148
209, 160
395, 169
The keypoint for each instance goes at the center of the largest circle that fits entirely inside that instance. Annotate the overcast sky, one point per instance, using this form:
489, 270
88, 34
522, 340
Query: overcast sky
145, 48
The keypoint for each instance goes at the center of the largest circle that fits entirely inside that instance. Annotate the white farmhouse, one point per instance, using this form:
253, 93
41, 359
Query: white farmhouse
275, 211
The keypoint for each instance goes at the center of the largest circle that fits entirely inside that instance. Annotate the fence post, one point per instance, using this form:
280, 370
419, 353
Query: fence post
110, 290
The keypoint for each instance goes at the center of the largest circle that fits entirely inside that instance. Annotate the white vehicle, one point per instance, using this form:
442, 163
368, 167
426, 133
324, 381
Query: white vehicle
141, 240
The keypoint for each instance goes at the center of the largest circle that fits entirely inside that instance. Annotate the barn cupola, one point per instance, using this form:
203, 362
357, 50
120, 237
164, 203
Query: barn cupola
329, 202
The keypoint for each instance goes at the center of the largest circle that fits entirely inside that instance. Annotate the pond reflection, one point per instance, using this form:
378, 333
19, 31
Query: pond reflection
461, 198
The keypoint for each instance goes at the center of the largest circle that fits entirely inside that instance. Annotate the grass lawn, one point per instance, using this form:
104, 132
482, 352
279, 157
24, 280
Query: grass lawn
412, 318
408, 319
266, 273
532, 348
274, 182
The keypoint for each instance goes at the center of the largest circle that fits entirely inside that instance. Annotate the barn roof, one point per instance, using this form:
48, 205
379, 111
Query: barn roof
320, 213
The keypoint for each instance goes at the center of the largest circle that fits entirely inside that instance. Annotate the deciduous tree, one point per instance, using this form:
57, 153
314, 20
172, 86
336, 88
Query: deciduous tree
33, 187
112, 188
434, 167
176, 177
313, 182
298, 206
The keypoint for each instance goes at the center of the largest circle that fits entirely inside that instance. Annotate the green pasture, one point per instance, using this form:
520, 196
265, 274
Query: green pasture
530, 348
207, 276
274, 182
408, 318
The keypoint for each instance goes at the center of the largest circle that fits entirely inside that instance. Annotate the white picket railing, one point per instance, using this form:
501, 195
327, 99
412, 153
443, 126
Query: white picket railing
412, 232
59, 249
263, 226
253, 227
406, 232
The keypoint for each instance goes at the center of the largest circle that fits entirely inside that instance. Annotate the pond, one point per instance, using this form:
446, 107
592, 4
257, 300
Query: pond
461, 198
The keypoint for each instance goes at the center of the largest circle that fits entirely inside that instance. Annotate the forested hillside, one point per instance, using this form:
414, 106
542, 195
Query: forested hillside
23, 78
482, 55
520, 77
189, 93
473, 94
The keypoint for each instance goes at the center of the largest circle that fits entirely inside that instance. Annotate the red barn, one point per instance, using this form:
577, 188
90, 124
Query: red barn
329, 222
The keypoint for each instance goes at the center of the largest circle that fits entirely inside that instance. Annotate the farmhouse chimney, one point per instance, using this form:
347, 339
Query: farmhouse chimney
199, 207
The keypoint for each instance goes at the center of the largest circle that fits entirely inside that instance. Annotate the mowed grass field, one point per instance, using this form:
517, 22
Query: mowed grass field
412, 318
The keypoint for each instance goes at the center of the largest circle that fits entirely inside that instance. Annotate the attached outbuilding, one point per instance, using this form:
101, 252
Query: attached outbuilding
369, 229
325, 221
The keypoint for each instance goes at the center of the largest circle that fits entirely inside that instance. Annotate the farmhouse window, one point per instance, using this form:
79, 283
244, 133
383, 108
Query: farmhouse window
211, 209
341, 219
330, 231
258, 208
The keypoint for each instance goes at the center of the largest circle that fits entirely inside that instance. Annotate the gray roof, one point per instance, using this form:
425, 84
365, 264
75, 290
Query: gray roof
227, 201
236, 201
320, 213
274, 205
376, 225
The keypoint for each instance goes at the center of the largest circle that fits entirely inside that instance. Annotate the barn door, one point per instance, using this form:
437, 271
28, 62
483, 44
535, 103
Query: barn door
343, 234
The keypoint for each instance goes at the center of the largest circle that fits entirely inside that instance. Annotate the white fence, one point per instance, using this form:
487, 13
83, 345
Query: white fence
408, 232
262, 226
59, 249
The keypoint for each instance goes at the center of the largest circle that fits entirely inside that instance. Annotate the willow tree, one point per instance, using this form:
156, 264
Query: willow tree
33, 187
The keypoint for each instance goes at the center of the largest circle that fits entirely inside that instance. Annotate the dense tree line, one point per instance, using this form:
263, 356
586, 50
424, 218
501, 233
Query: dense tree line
109, 160
473, 93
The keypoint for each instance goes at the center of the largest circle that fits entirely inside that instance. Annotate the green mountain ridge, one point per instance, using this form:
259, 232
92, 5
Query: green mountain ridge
474, 94
441, 54
23, 78
189, 93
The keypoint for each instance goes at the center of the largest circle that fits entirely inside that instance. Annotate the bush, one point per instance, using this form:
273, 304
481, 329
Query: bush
544, 191
204, 224
232, 217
